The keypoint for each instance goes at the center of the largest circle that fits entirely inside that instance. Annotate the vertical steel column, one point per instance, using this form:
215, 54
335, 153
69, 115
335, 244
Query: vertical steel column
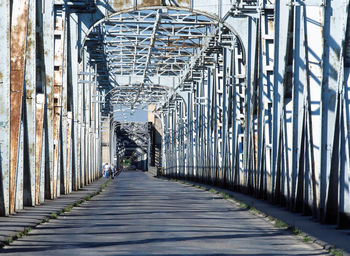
65, 118
334, 31
234, 115
69, 154
344, 196
196, 132
202, 115
79, 135
280, 67
39, 150
313, 54
30, 110
19, 23
299, 80
20, 171
248, 99
214, 123
57, 97
228, 114
225, 128
5, 106
208, 125
190, 134
88, 123
48, 48
73, 36
217, 118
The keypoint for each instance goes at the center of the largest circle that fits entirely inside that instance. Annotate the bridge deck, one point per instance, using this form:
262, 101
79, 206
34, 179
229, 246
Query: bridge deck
140, 215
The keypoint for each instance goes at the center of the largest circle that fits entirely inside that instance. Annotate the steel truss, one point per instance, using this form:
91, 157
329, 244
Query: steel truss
269, 117
250, 94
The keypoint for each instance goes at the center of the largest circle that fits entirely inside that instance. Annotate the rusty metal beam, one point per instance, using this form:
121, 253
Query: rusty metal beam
19, 22
39, 127
48, 50
68, 153
58, 84
5, 106
30, 113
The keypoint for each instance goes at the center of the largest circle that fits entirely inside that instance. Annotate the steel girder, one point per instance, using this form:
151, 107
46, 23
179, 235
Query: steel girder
256, 100
40, 105
273, 122
146, 48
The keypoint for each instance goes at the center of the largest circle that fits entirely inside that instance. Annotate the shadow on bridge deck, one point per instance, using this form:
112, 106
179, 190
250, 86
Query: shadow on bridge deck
140, 215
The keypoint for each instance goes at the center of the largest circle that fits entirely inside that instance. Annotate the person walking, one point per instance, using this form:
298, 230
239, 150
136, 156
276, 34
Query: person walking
106, 168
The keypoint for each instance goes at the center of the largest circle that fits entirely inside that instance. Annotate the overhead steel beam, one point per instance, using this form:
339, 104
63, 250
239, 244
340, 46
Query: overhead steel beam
148, 58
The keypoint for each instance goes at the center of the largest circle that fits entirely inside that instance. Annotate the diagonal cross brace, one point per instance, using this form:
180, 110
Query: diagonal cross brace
151, 45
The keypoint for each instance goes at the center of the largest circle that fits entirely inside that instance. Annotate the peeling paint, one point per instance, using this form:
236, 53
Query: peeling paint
121, 4
184, 2
148, 3
39, 141
69, 124
18, 43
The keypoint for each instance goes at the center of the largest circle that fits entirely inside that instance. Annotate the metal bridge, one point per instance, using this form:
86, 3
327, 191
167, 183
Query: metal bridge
252, 95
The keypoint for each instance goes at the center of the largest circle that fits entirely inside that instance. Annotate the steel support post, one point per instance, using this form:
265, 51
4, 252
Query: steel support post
30, 180
234, 114
176, 144
48, 48
68, 153
79, 135
184, 135
191, 133
299, 80
313, 54
213, 125
95, 127
65, 119
334, 30
98, 151
19, 23
88, 121
225, 128
59, 43
217, 123
344, 196
265, 125
20, 171
5, 88
201, 116
82, 111
39, 150
249, 99
201, 156
73, 37
208, 125
196, 131
279, 144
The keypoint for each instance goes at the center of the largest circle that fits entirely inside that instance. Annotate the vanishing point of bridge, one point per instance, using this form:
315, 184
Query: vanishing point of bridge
252, 95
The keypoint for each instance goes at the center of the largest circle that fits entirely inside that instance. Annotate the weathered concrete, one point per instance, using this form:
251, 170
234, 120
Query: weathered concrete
139, 215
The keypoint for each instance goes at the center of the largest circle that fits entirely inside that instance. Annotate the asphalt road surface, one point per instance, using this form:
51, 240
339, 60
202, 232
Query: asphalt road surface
141, 215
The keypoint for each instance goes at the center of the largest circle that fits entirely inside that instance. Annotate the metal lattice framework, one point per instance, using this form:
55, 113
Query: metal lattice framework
250, 94
150, 53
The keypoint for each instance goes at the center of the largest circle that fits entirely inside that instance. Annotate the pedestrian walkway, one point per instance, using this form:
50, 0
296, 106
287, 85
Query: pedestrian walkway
140, 215
30, 217
328, 236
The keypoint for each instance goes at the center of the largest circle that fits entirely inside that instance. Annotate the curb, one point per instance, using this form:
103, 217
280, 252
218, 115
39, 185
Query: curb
52, 209
333, 250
